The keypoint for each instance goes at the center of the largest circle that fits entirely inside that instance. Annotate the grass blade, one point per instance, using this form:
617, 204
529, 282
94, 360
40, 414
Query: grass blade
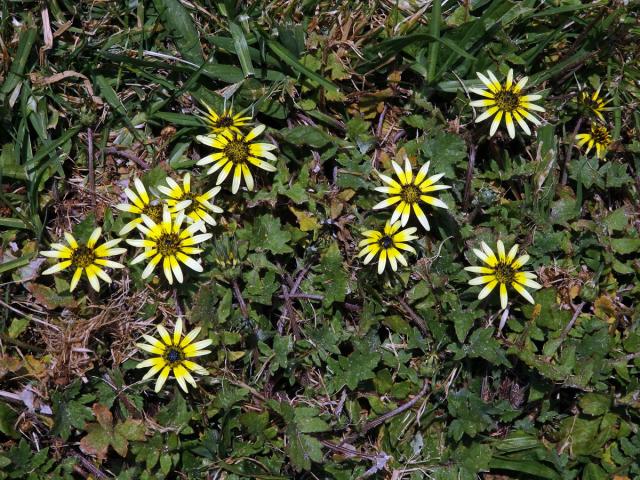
242, 49
434, 30
27, 39
286, 56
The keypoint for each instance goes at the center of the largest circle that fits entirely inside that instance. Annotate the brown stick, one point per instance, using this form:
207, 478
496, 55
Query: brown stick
567, 155
306, 296
417, 319
288, 304
92, 172
128, 155
240, 300
386, 416
88, 465
469, 177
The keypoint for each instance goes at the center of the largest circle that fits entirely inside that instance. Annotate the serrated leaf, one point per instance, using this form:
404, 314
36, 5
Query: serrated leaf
483, 345
332, 273
266, 233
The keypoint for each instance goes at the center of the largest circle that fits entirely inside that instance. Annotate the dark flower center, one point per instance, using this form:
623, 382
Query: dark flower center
589, 103
504, 273
173, 356
194, 203
410, 193
82, 256
236, 151
386, 242
600, 135
168, 244
153, 211
224, 121
507, 101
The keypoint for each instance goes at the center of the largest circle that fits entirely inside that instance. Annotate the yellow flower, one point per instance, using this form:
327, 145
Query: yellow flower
598, 136
226, 121
169, 242
195, 206
141, 203
410, 192
237, 151
85, 258
173, 354
502, 269
594, 102
388, 245
506, 101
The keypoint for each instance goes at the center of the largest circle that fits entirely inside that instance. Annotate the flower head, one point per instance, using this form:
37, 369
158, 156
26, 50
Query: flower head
226, 121
237, 152
174, 352
387, 244
196, 207
506, 101
87, 258
140, 204
593, 102
410, 192
598, 136
168, 242
502, 269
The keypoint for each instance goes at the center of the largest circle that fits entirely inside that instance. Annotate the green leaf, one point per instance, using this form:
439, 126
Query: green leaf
302, 449
585, 171
306, 135
68, 413
625, 246
266, 233
595, 404
463, 321
13, 264
181, 28
353, 369
483, 345
19, 61
332, 273
617, 220
308, 421
97, 441
7, 421
287, 57
530, 467
242, 49
128, 430
18, 325
131, 429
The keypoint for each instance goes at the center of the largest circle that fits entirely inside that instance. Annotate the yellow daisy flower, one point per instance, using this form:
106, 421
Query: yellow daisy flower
387, 244
237, 151
195, 206
173, 354
410, 192
506, 101
598, 136
593, 102
169, 242
503, 269
87, 258
226, 121
140, 204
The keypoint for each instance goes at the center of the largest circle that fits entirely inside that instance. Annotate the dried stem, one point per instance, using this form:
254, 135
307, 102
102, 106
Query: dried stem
241, 303
92, 172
